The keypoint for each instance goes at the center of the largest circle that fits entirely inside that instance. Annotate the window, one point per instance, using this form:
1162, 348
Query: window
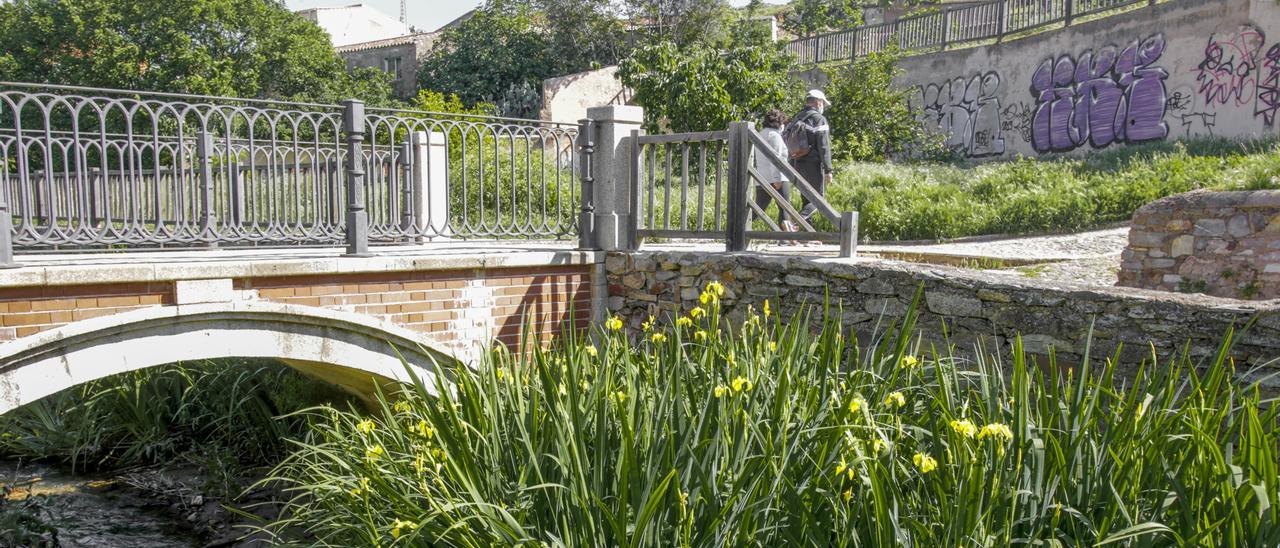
391, 65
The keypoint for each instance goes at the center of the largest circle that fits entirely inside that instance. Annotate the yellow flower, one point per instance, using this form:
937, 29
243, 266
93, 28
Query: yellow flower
659, 338
909, 361
684, 498
706, 298
684, 322
840, 468
591, 351
697, 312
373, 452
618, 397
648, 324
366, 426
766, 308
423, 430
721, 390
562, 390
716, 288
501, 374
741, 384
895, 399
700, 335
399, 526
924, 462
773, 346
848, 495
877, 445
362, 489
996, 430
964, 427
614, 323
856, 404
402, 406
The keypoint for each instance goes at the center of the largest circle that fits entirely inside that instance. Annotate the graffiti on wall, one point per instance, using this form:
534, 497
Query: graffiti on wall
1109, 96
967, 112
1229, 72
1269, 88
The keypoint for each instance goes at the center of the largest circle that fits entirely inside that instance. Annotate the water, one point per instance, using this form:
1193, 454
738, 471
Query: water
111, 510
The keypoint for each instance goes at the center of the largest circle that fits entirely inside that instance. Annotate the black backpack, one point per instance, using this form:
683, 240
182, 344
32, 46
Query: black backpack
797, 137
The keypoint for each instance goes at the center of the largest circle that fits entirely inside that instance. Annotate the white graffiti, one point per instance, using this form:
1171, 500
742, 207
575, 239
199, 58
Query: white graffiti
967, 111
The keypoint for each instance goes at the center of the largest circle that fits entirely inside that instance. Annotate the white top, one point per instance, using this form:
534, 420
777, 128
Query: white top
770, 172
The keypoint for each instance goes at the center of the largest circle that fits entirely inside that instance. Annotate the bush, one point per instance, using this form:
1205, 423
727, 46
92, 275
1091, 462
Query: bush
766, 434
870, 117
935, 201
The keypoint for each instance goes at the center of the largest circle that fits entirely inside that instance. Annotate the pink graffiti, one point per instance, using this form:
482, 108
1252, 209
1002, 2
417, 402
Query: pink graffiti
1229, 71
1104, 97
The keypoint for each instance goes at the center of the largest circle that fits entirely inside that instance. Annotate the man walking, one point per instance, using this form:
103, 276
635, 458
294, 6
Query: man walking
809, 140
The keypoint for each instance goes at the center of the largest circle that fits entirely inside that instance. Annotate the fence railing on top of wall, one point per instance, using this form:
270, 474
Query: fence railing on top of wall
950, 25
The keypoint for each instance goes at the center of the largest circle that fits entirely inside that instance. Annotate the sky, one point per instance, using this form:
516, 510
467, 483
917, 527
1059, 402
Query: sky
423, 14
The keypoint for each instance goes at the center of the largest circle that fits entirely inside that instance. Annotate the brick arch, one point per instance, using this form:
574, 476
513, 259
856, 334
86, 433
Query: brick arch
354, 351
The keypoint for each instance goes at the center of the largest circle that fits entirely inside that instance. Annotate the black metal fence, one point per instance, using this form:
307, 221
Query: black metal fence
95, 168
948, 26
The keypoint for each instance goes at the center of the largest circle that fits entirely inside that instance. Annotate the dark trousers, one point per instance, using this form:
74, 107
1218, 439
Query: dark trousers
811, 170
763, 199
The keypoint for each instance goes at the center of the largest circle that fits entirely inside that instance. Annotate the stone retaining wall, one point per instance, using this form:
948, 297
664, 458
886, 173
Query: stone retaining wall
1218, 243
974, 306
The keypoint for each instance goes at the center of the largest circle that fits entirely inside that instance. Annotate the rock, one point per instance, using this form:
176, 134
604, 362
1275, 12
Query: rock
1238, 226
1182, 245
690, 294
666, 275
884, 306
643, 264
766, 290
616, 303
803, 281
1210, 227
994, 296
1146, 239
876, 286
634, 280
615, 264
949, 304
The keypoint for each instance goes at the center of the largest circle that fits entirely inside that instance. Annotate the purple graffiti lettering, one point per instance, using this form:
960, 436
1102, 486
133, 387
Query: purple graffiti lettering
1228, 73
1103, 97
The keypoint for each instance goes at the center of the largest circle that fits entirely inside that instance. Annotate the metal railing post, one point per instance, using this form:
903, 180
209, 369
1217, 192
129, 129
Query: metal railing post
739, 179
407, 187
848, 234
1068, 8
1002, 25
6, 229
946, 27
357, 228
633, 173
204, 156
587, 213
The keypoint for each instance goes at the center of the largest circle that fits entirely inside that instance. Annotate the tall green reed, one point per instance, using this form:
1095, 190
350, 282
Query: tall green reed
696, 432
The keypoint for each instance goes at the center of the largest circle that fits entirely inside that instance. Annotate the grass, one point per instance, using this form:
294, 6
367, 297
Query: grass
939, 201
770, 433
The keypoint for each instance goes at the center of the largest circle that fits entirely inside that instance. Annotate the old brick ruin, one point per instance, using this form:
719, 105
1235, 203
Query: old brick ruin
1225, 244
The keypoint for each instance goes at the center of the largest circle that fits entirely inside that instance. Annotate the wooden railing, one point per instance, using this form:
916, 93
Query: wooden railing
949, 26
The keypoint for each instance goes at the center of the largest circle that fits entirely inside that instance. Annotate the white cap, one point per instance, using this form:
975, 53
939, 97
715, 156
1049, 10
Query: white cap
818, 94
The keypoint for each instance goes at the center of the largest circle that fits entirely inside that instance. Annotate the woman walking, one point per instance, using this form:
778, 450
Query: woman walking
774, 121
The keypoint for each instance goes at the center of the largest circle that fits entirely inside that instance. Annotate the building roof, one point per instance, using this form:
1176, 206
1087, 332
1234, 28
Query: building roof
425, 38
355, 24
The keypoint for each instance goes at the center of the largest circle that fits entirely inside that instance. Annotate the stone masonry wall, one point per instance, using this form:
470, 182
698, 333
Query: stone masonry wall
1218, 243
974, 306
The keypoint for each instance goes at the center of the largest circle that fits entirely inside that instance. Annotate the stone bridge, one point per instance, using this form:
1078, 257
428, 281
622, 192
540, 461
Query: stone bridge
70, 319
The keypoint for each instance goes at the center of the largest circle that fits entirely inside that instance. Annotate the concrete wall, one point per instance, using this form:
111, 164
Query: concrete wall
1218, 243
974, 306
567, 98
1183, 68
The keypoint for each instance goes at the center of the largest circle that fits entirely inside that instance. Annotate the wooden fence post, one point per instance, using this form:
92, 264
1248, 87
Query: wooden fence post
739, 185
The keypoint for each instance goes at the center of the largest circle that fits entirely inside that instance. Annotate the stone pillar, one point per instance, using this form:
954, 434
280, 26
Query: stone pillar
431, 185
612, 164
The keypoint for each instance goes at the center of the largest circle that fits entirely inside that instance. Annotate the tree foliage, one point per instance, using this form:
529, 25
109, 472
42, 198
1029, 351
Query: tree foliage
498, 56
243, 48
684, 22
870, 116
702, 89
809, 17
582, 34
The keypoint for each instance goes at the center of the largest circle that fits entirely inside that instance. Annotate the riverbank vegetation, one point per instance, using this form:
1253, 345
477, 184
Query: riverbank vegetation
704, 432
911, 201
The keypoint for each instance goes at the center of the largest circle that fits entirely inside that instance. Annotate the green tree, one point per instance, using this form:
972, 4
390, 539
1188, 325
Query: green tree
870, 116
582, 34
498, 56
701, 88
684, 22
809, 17
243, 48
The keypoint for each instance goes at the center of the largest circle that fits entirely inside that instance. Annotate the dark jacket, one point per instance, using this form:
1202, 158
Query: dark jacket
819, 137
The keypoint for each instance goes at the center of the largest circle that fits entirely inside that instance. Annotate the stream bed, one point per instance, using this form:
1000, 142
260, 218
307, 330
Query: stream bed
142, 507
